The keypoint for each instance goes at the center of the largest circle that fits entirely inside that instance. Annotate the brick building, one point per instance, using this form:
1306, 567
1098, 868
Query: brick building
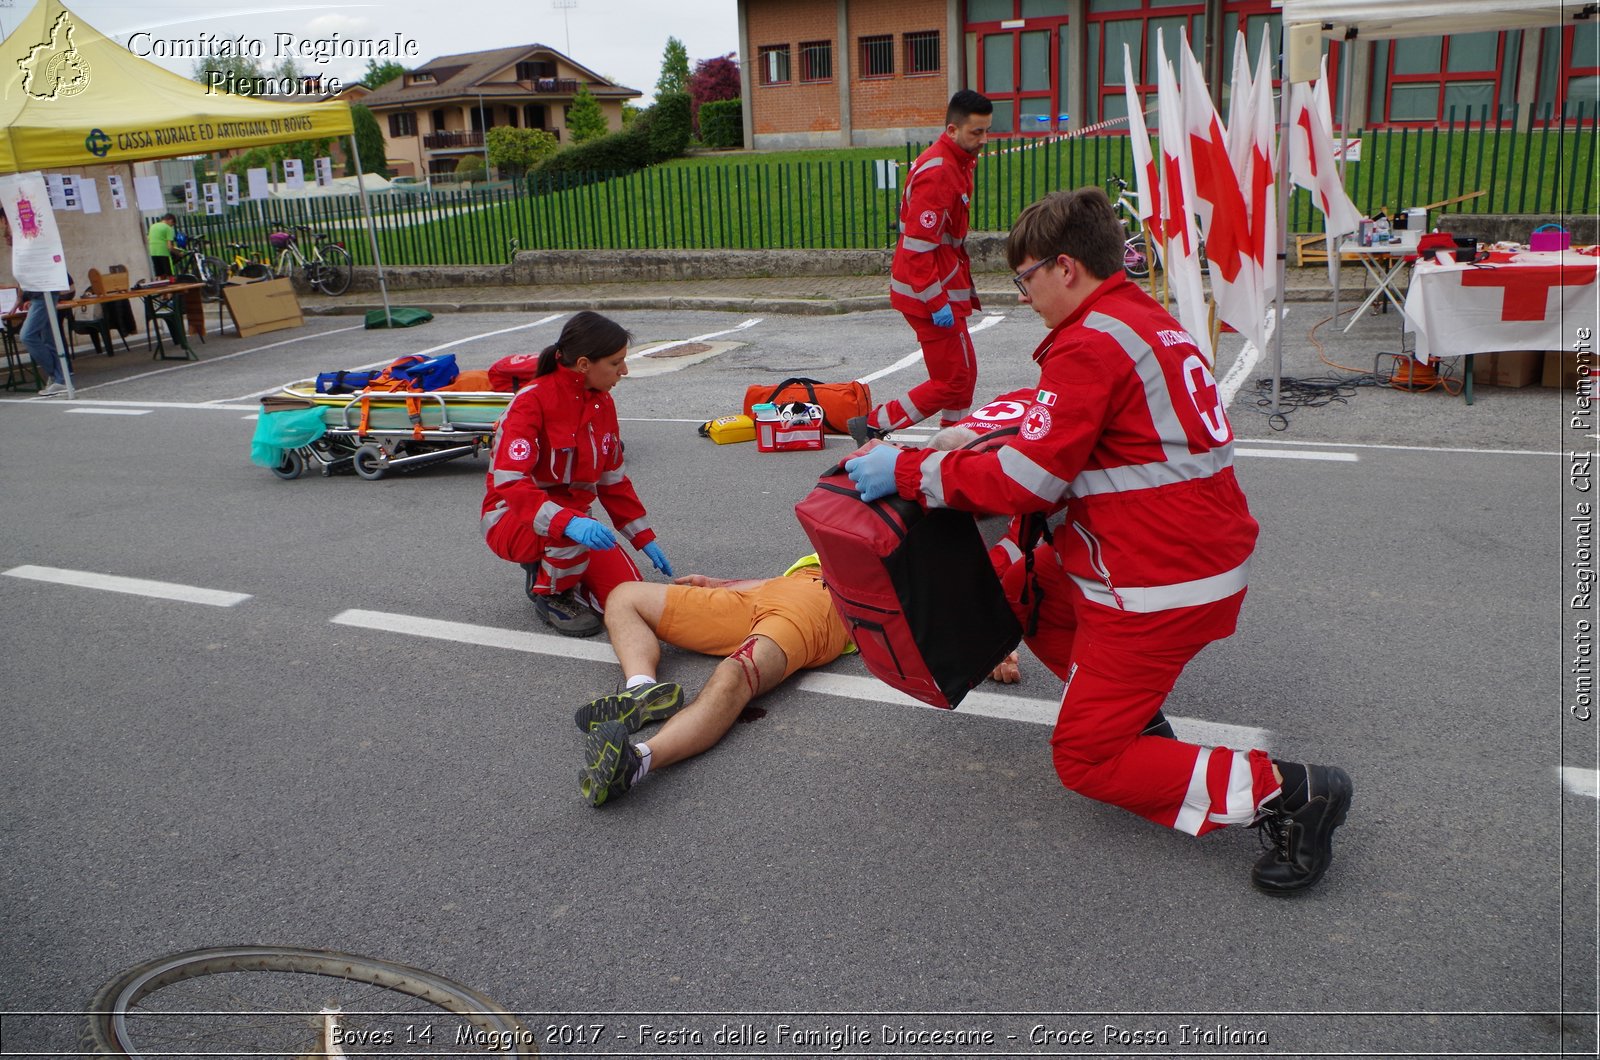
842, 73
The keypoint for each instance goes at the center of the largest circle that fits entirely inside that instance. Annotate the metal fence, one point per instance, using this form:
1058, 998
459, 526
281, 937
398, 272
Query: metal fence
845, 204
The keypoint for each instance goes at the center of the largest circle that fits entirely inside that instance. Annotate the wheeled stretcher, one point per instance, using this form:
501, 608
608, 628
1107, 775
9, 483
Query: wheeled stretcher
375, 432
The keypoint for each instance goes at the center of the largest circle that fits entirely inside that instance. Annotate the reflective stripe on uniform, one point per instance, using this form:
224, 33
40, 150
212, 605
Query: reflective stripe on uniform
502, 478
1012, 550
635, 528
541, 519
490, 518
555, 552
611, 478
1148, 599
1238, 791
1093, 481
932, 484
1031, 477
927, 294
917, 246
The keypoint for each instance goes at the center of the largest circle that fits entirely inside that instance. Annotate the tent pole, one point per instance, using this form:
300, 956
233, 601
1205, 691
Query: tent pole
61, 350
1347, 65
372, 232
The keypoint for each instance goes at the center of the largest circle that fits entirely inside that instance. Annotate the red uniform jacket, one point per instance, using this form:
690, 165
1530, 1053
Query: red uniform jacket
1127, 431
558, 449
931, 269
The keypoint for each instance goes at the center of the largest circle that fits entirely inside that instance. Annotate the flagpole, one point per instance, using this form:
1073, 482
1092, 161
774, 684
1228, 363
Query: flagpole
1283, 231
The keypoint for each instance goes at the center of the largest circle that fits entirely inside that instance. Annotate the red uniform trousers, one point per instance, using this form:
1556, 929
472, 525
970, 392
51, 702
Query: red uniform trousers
1115, 684
563, 563
952, 376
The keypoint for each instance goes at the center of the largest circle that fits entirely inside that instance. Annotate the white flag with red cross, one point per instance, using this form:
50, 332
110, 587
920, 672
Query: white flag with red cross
1146, 177
1220, 204
1181, 256
1311, 164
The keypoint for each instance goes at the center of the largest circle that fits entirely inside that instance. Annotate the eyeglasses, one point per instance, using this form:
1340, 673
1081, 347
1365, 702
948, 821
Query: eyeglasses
1029, 271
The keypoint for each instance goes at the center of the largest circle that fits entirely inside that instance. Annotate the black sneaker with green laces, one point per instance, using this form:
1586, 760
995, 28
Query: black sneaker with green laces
635, 708
611, 763
1297, 831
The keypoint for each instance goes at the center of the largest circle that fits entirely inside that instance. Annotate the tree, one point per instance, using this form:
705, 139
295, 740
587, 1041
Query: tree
470, 168
674, 69
713, 80
585, 121
630, 114
238, 75
369, 141
381, 73
516, 151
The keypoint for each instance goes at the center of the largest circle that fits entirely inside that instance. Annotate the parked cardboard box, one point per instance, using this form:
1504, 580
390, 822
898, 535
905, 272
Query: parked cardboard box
1561, 368
1517, 369
267, 305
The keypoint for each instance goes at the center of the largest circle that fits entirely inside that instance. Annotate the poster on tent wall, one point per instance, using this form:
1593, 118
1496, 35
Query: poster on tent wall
258, 183
63, 191
148, 191
119, 194
294, 173
213, 199
230, 182
37, 259
89, 195
191, 195
324, 172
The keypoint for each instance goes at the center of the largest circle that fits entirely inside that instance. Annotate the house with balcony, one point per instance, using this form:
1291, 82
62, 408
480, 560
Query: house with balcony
437, 114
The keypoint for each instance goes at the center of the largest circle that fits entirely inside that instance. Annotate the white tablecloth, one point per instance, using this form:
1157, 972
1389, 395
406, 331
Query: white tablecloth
1524, 301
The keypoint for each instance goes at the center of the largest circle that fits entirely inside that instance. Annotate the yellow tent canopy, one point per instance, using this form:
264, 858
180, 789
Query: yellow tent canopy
70, 96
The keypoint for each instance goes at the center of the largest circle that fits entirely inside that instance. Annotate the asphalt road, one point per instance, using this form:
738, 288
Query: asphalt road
295, 769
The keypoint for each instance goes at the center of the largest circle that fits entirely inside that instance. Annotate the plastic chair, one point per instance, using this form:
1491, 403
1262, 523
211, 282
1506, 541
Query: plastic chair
168, 308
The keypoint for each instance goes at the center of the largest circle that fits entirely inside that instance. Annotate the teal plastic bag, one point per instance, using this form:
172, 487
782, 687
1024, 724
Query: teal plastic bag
278, 432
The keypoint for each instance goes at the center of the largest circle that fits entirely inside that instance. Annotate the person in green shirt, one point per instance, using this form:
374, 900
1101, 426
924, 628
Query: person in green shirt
161, 247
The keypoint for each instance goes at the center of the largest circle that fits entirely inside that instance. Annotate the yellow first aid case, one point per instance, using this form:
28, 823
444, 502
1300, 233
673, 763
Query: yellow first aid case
726, 429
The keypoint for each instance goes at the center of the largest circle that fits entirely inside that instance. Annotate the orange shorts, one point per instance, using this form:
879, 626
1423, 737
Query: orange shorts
796, 613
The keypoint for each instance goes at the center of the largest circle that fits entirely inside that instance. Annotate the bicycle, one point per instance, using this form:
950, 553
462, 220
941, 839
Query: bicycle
327, 267
292, 1001
208, 270
1135, 249
1137, 255
247, 264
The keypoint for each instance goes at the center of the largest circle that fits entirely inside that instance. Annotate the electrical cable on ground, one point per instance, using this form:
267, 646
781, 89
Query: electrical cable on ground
1402, 373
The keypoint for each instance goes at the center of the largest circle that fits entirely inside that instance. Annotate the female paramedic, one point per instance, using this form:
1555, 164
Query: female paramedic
557, 450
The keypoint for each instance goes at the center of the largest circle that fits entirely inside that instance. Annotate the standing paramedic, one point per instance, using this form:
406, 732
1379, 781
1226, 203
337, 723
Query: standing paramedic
1128, 434
557, 450
930, 282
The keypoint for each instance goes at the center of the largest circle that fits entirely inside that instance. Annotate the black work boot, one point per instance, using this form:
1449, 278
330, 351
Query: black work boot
1297, 830
568, 615
862, 431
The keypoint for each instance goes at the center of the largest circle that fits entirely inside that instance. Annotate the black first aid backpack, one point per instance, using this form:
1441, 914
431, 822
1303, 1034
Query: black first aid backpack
916, 589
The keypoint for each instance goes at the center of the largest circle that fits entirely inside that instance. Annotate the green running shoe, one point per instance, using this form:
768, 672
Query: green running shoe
612, 763
636, 709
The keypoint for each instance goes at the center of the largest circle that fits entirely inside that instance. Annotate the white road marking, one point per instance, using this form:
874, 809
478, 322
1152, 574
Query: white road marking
1019, 708
213, 360
418, 353
1248, 357
189, 594
843, 686
912, 358
465, 633
652, 351
1290, 454
201, 405
110, 412
1584, 782
1397, 448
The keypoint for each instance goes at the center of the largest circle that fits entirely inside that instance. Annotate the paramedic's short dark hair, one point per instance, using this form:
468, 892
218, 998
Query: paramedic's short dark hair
587, 334
964, 104
1080, 224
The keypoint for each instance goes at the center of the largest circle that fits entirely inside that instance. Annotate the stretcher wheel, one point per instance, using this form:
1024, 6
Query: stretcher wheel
291, 467
369, 462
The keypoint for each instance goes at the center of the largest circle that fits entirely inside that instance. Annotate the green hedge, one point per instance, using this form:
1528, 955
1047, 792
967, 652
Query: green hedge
722, 123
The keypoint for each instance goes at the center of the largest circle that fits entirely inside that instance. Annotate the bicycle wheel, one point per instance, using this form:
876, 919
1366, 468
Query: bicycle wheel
292, 1001
214, 274
336, 271
1136, 258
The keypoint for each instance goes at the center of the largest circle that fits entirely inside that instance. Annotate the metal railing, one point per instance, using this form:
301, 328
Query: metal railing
838, 204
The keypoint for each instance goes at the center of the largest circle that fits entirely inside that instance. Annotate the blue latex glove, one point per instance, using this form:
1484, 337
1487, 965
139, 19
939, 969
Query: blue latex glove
658, 558
873, 471
591, 534
945, 317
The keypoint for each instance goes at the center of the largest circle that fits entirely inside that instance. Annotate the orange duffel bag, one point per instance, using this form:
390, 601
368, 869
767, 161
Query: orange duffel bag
839, 401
